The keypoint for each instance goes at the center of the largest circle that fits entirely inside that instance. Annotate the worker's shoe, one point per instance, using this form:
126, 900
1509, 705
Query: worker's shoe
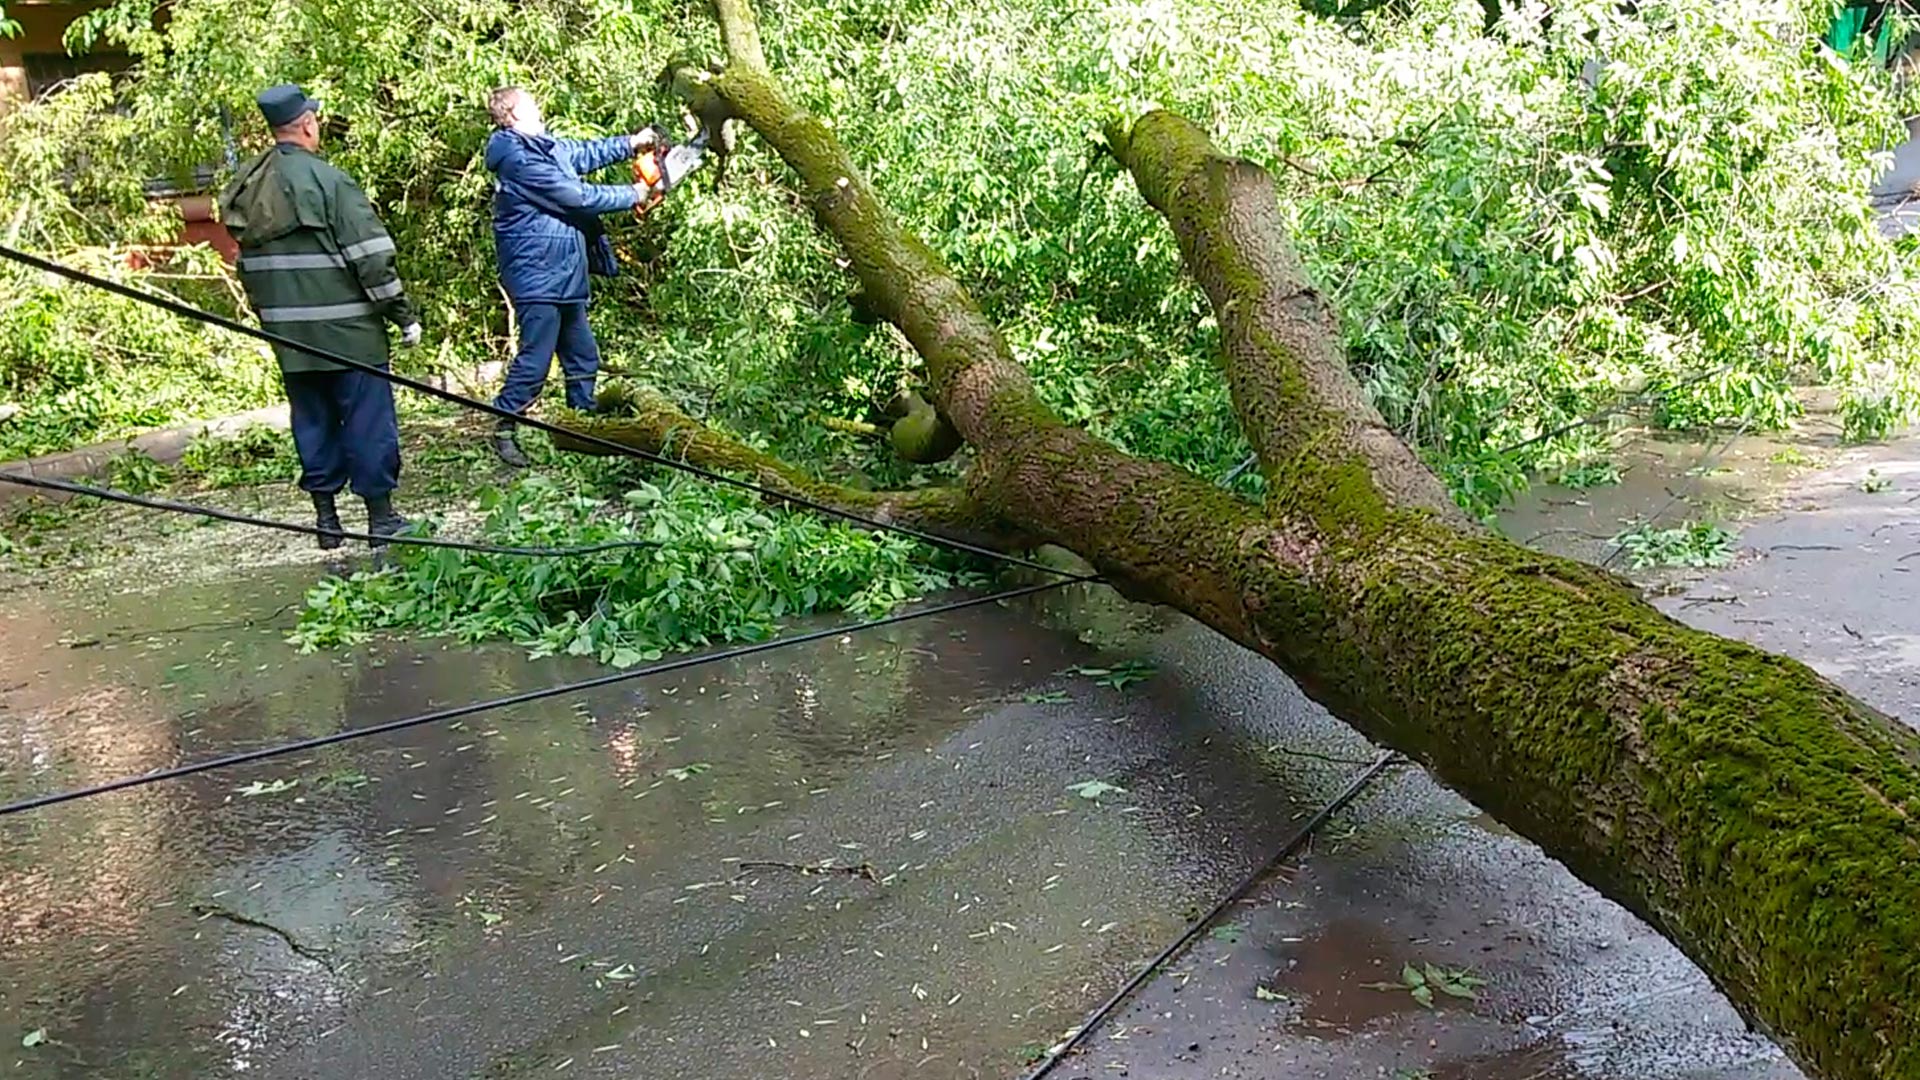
507, 446
382, 520
326, 518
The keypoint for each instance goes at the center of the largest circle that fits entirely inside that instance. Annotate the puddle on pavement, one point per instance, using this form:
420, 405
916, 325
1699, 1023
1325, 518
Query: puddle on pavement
558, 889
1670, 480
1345, 976
1298, 983
1541, 1061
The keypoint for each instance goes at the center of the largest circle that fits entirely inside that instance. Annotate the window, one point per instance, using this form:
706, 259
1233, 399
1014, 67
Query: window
45, 71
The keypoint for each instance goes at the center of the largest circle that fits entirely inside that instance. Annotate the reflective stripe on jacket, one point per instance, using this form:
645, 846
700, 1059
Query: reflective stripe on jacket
316, 263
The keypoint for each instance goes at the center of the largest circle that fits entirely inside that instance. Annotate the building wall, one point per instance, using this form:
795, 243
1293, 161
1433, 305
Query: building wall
38, 56
40, 52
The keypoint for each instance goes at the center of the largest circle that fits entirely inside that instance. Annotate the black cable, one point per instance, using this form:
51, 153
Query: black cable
217, 514
526, 697
1199, 925
188, 311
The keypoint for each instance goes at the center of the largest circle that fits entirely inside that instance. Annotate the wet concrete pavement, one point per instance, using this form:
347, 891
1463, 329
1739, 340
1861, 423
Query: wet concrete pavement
1307, 979
559, 888
568, 890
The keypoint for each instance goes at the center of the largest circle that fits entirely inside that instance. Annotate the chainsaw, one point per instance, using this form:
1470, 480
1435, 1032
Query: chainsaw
662, 166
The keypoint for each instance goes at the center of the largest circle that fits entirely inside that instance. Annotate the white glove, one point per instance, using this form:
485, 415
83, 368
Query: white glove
410, 335
642, 139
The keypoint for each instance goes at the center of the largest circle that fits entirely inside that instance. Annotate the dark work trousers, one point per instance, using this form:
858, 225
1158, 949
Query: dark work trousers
547, 330
345, 429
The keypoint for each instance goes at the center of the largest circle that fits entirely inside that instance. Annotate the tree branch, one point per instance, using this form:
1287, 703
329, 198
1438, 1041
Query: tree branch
740, 31
647, 420
904, 281
1281, 343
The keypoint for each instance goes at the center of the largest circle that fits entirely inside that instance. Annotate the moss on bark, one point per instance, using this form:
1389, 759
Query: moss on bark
922, 435
1756, 814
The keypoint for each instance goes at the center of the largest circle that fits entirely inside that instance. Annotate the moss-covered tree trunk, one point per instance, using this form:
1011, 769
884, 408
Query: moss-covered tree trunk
1756, 814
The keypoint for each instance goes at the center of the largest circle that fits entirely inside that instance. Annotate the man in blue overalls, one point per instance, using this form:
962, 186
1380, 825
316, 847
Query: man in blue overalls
547, 237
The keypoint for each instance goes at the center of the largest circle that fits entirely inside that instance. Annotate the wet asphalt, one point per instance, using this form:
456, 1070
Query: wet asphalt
622, 885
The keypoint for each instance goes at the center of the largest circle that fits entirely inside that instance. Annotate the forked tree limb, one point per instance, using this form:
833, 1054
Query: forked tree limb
1758, 815
647, 420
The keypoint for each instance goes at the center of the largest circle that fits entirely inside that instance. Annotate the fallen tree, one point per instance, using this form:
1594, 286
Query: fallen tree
1756, 814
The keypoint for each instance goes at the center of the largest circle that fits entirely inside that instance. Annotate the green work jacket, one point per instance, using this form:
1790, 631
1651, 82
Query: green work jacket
316, 263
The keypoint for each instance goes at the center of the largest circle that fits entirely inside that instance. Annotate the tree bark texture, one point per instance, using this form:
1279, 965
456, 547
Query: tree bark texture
1756, 814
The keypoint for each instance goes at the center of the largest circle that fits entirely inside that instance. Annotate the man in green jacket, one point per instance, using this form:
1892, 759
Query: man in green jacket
318, 266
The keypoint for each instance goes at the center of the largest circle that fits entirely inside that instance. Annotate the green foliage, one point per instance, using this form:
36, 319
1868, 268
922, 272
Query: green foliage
135, 471
1590, 474
1698, 545
83, 365
1424, 981
1095, 789
1118, 677
1512, 234
256, 455
725, 570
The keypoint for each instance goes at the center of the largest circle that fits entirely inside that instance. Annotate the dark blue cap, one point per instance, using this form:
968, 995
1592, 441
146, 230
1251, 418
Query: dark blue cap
284, 104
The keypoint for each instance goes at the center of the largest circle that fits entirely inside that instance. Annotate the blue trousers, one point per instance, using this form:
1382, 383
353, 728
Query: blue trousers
547, 330
345, 430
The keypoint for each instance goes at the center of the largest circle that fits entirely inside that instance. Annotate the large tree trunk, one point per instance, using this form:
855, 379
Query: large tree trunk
1756, 814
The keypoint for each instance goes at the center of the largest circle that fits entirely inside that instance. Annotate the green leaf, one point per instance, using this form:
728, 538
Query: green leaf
34, 1038
1094, 789
1263, 994
1412, 976
262, 787
1423, 995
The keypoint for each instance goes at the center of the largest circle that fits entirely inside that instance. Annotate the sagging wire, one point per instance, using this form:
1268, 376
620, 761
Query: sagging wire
1198, 926
217, 514
1709, 459
457, 712
188, 311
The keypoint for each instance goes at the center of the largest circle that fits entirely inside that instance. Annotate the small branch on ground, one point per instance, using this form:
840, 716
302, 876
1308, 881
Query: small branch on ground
307, 952
864, 870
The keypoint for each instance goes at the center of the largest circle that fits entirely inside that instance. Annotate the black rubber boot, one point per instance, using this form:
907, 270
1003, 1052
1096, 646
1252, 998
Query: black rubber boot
383, 520
508, 447
326, 518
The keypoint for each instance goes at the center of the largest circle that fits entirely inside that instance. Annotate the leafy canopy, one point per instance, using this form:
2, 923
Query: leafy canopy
1518, 225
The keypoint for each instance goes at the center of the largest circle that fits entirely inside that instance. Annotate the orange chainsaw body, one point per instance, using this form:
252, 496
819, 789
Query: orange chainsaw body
649, 168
